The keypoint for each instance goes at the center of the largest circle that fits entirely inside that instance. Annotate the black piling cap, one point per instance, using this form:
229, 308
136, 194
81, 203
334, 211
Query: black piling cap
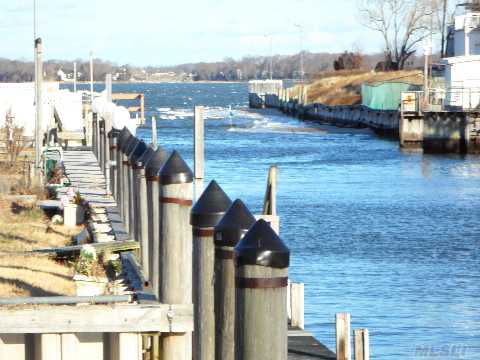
123, 136
146, 156
262, 246
210, 207
125, 144
155, 162
131, 146
175, 171
137, 153
233, 225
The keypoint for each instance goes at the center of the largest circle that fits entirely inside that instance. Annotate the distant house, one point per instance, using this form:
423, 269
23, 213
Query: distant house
61, 75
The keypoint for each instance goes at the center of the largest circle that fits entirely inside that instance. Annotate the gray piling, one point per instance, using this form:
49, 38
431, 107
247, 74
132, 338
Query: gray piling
228, 232
128, 178
176, 180
155, 161
114, 133
206, 213
140, 204
94, 134
261, 261
123, 140
101, 126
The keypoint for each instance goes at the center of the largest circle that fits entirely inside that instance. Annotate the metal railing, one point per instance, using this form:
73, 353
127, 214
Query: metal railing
452, 99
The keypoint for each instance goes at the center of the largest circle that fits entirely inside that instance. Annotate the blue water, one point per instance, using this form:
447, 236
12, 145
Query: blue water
390, 237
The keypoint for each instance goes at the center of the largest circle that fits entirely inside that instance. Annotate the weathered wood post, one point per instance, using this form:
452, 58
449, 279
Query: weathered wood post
206, 213
128, 179
228, 232
123, 144
152, 167
114, 133
342, 332
94, 134
122, 137
176, 180
131, 189
101, 145
140, 204
362, 346
261, 260
297, 305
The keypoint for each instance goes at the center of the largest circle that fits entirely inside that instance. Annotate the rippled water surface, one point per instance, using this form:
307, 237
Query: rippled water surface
391, 237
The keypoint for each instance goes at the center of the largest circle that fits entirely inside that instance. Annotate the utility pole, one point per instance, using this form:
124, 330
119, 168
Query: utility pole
91, 76
302, 72
74, 77
271, 54
38, 84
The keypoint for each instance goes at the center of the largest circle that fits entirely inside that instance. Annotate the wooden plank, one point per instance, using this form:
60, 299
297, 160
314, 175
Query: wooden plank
126, 245
71, 135
297, 304
126, 96
12, 346
134, 108
97, 318
362, 346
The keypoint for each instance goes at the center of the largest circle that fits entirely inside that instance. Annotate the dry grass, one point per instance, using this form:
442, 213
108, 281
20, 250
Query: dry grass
24, 229
34, 276
344, 87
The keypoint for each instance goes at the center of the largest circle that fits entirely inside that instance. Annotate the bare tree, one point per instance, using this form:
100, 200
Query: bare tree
403, 24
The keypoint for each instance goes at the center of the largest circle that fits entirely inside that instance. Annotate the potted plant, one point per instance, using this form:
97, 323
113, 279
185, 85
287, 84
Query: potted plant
90, 278
73, 208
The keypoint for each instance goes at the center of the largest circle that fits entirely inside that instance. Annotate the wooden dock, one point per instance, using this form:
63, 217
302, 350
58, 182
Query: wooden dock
84, 173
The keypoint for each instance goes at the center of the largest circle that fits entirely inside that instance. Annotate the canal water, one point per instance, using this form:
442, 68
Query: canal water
391, 237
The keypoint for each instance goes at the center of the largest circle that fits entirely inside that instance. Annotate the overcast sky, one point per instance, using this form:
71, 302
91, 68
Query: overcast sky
159, 32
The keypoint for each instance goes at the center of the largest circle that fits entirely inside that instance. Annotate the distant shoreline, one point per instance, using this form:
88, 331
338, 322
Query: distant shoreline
159, 82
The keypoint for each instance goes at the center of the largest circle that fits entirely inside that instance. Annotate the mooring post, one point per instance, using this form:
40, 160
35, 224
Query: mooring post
128, 196
139, 207
101, 149
131, 189
152, 168
176, 180
114, 133
107, 158
362, 347
270, 199
342, 327
154, 133
262, 262
94, 134
228, 232
123, 139
206, 213
297, 305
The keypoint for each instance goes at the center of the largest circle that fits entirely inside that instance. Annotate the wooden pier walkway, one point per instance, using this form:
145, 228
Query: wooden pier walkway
85, 175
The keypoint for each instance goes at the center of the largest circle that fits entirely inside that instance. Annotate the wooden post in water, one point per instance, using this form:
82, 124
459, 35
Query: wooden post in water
270, 200
113, 161
132, 191
199, 142
228, 232
154, 133
342, 326
152, 168
176, 249
123, 140
362, 344
140, 210
206, 213
262, 261
297, 304
94, 134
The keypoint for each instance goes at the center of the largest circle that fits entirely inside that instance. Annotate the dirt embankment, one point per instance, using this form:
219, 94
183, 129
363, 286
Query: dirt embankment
344, 87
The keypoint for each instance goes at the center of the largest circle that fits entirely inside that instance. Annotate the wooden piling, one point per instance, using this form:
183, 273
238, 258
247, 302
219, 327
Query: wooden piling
270, 199
228, 232
130, 222
297, 305
101, 145
114, 162
199, 138
127, 178
94, 134
362, 344
176, 180
342, 327
262, 262
123, 140
152, 168
140, 210
154, 133
206, 213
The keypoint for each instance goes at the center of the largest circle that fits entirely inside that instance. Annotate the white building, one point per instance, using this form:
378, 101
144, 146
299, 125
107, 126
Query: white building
462, 71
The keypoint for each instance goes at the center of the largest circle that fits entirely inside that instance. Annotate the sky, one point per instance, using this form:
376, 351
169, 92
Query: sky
156, 32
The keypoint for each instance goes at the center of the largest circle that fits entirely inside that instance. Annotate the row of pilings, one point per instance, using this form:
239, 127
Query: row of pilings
212, 252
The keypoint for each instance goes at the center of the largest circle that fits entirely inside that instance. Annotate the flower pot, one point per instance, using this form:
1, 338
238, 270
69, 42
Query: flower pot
73, 215
90, 285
